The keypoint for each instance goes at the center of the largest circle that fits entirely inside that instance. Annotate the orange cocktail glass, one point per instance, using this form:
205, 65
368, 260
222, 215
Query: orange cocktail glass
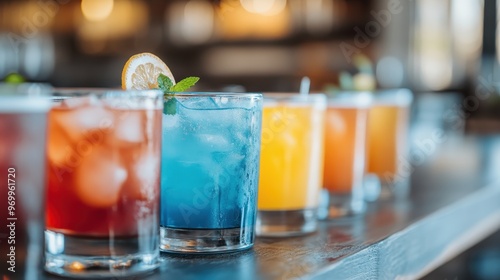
344, 161
103, 164
387, 140
291, 164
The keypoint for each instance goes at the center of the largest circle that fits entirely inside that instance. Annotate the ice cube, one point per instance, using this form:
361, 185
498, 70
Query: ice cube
223, 100
129, 127
336, 122
80, 121
233, 161
143, 180
170, 121
288, 138
215, 142
79, 101
198, 103
99, 178
59, 145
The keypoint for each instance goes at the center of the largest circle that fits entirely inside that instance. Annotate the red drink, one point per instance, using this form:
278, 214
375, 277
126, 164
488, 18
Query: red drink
103, 169
103, 166
22, 191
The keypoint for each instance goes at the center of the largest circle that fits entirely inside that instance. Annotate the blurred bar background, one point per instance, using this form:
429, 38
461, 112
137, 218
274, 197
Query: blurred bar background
262, 45
258, 43
446, 51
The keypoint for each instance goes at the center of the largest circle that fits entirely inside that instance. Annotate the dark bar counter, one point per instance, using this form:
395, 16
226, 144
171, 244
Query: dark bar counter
454, 204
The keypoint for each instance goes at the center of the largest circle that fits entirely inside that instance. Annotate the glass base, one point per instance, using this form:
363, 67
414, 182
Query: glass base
340, 205
398, 190
83, 257
286, 222
205, 241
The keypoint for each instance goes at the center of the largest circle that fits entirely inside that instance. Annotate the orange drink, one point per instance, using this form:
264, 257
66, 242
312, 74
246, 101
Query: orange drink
387, 140
291, 163
345, 141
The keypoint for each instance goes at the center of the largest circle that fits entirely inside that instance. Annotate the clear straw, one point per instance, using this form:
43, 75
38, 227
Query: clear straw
305, 84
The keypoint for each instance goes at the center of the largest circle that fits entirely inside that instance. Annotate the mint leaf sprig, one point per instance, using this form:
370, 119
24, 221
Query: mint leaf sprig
169, 89
184, 84
164, 83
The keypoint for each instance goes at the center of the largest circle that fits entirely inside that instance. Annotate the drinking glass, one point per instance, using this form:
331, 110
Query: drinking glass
103, 161
388, 141
291, 164
345, 154
23, 117
210, 172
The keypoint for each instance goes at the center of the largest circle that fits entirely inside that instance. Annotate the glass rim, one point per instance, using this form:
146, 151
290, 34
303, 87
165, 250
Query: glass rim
216, 94
24, 98
2, 83
375, 91
389, 96
392, 91
351, 99
75, 92
9, 90
291, 96
101, 91
24, 104
393, 96
351, 91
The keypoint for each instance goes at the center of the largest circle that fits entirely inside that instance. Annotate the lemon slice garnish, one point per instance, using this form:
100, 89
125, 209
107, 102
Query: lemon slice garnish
142, 70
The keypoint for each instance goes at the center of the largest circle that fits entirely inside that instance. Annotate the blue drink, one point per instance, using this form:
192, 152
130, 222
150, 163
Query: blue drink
210, 170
